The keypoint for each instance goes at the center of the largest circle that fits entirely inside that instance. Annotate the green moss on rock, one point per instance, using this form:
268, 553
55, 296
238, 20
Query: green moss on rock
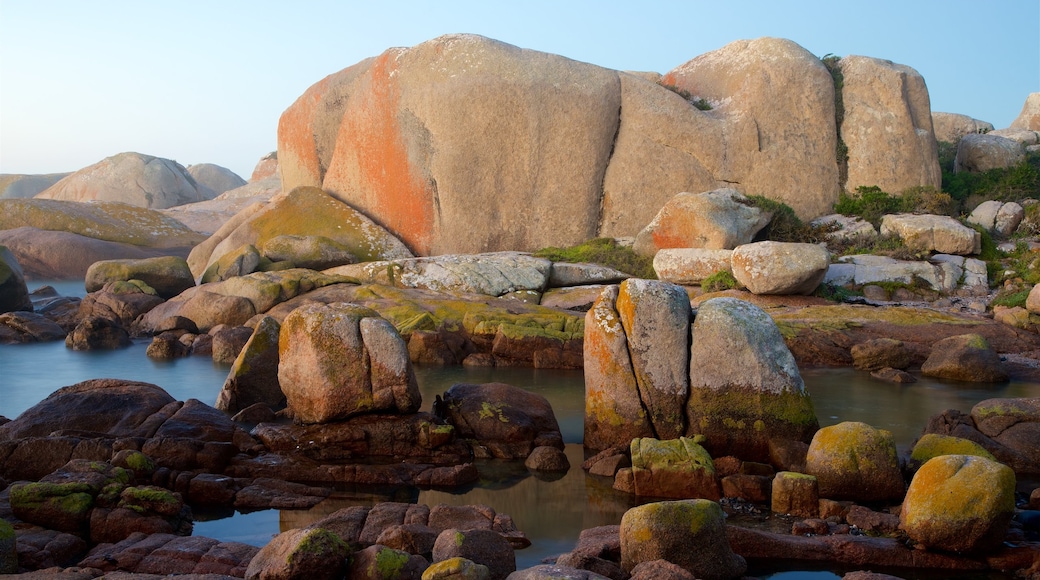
933, 445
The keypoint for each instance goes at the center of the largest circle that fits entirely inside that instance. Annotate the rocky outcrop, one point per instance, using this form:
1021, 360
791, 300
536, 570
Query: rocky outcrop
14, 294
1009, 429
168, 276
929, 233
716, 220
303, 212
266, 168
887, 126
857, 462
999, 217
130, 178
943, 273
215, 178
20, 326
780, 267
13, 185
206, 217
950, 127
846, 228
253, 377
976, 153
1029, 118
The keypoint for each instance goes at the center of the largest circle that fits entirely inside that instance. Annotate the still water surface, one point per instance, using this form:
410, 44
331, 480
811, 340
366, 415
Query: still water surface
551, 513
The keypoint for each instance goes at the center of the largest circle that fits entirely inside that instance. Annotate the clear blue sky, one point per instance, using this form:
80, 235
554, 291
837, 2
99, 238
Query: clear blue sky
206, 81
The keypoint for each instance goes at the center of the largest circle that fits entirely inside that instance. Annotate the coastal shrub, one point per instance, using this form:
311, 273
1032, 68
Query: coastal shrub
701, 103
841, 152
888, 245
835, 293
1010, 184
606, 252
1022, 263
719, 281
785, 226
1010, 298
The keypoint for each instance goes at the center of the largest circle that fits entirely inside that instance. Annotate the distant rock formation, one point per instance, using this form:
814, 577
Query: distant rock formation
218, 179
1029, 118
17, 186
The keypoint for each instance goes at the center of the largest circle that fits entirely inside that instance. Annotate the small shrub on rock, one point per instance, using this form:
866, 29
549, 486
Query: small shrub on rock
604, 251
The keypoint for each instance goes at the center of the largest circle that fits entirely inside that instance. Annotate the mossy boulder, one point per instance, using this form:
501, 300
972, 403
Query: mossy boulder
678, 468
933, 445
167, 275
340, 360
854, 461
745, 387
240, 261
14, 294
501, 420
8, 551
796, 494
316, 554
254, 374
1015, 425
456, 568
485, 547
314, 252
57, 506
383, 563
966, 357
689, 533
959, 503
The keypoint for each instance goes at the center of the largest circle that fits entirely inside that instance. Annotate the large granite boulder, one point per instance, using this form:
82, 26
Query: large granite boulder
1029, 117
967, 357
950, 127
716, 220
959, 503
14, 185
1002, 218
938, 233
168, 275
689, 533
687, 266
131, 178
214, 177
1014, 424
317, 554
977, 153
313, 252
854, 461
340, 360
500, 420
253, 377
14, 294
777, 100
751, 398
306, 211
887, 126
484, 547
96, 333
780, 267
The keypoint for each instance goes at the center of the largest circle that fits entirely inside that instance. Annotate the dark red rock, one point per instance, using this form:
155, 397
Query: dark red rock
481, 546
508, 421
40, 548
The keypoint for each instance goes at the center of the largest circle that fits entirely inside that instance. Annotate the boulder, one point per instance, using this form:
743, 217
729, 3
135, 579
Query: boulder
678, 468
716, 220
168, 275
130, 178
14, 294
943, 275
614, 412
317, 554
313, 252
932, 445
95, 333
120, 301
265, 168
306, 211
20, 186
485, 547
689, 533
456, 568
780, 267
687, 266
655, 318
999, 217
846, 228
887, 126
547, 459
1026, 137
977, 153
501, 420
941, 234
1033, 300
238, 262
228, 343
565, 274
493, 274
795, 494
20, 326
753, 397
959, 503
340, 360
880, 353
1029, 118
779, 136
966, 357
214, 177
579, 298
1014, 424
384, 563
206, 217
950, 127
558, 572
854, 461
253, 377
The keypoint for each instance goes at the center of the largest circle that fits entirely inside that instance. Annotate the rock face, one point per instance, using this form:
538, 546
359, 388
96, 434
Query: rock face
131, 178
253, 377
265, 168
941, 234
959, 503
14, 294
690, 534
302, 212
966, 357
1029, 118
753, 396
214, 177
780, 267
777, 100
168, 276
855, 461
984, 152
950, 127
887, 126
340, 360
13, 185
716, 220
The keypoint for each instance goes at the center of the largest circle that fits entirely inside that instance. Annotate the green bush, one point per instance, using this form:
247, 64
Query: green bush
604, 251
889, 245
1011, 184
720, 281
841, 152
785, 226
1010, 299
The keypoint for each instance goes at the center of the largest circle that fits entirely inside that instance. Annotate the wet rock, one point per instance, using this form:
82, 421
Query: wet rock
302, 553
94, 333
547, 458
253, 378
880, 353
688, 533
966, 357
893, 376
674, 468
796, 494
17, 327
716, 220
14, 295
959, 503
855, 461
780, 267
484, 547
168, 275
506, 421
384, 563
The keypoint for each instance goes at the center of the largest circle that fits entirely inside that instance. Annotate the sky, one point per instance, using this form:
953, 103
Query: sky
205, 82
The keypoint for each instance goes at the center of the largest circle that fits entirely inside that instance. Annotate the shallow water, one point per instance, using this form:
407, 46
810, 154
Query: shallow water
551, 513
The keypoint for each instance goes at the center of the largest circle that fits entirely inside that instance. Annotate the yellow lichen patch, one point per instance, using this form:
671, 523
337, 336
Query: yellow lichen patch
958, 489
933, 445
